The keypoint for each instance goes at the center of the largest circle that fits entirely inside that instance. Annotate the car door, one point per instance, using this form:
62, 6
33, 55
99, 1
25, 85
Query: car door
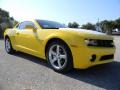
19, 36
27, 38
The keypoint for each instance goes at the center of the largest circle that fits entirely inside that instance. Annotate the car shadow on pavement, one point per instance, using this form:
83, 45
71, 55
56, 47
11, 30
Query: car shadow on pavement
31, 58
105, 76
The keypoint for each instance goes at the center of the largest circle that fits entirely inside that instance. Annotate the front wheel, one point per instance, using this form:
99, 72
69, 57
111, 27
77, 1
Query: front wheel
59, 57
8, 46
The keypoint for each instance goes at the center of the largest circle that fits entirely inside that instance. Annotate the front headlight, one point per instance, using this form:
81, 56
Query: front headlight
100, 43
91, 42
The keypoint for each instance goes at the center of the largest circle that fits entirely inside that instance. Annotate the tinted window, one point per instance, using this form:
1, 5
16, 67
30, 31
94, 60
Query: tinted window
50, 24
23, 24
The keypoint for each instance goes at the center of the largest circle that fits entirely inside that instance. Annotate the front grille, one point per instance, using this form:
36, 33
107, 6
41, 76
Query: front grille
107, 57
103, 43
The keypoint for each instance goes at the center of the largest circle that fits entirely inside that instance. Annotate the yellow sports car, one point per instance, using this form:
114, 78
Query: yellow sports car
64, 48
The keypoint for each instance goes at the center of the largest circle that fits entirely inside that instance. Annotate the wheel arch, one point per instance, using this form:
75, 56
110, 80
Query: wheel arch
57, 40
71, 63
6, 36
11, 41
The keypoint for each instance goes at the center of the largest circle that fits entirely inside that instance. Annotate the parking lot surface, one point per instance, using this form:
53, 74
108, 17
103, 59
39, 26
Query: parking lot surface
25, 72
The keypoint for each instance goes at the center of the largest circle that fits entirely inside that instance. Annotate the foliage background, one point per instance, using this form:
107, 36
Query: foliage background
5, 21
106, 25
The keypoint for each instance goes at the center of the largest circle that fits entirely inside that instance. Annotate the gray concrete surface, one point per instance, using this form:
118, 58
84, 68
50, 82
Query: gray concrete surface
25, 72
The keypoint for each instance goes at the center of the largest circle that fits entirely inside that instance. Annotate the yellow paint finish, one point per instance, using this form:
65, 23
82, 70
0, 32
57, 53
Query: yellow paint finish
83, 54
34, 41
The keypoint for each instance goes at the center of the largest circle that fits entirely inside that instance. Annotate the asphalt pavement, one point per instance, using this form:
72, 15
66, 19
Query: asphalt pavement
21, 71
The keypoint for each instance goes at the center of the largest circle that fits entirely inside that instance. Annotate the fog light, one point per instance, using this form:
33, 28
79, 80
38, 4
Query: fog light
93, 58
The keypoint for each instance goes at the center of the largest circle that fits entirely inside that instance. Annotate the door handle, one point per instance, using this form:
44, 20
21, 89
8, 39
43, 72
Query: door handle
17, 33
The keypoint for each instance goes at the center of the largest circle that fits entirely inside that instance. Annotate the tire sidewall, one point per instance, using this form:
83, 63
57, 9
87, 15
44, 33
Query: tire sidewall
68, 64
11, 49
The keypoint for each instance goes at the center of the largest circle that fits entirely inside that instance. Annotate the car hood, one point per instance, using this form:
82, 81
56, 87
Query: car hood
87, 33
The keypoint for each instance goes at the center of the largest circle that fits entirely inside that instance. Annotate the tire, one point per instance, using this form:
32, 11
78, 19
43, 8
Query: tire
8, 46
59, 56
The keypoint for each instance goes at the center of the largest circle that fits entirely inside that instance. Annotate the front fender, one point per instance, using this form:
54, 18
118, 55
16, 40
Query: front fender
72, 40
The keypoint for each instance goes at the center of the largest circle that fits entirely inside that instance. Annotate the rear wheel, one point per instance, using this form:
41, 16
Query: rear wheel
59, 56
8, 46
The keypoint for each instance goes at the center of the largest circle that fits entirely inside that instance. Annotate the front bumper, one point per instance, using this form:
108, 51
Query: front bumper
82, 56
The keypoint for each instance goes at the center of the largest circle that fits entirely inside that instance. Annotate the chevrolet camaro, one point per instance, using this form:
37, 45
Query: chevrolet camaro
64, 48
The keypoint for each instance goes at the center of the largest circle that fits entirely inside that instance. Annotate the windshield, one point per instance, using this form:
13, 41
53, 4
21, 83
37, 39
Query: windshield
45, 24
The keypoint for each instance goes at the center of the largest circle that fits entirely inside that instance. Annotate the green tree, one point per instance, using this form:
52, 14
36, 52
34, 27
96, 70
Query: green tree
107, 26
88, 26
117, 23
5, 21
73, 25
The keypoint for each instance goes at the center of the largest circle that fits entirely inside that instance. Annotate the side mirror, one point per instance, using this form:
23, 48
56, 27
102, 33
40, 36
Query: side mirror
30, 27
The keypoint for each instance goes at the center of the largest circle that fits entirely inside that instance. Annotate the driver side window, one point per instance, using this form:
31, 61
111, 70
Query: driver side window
22, 25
